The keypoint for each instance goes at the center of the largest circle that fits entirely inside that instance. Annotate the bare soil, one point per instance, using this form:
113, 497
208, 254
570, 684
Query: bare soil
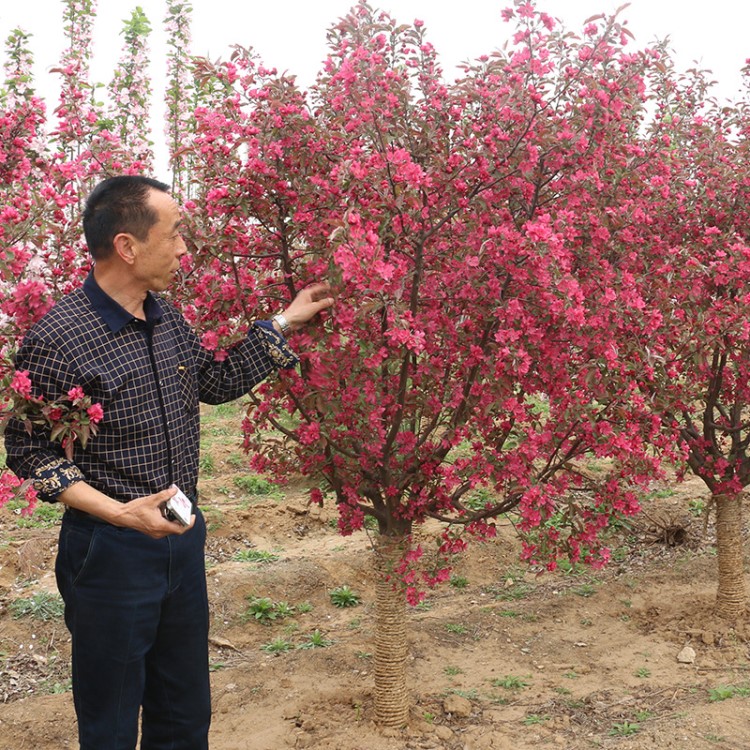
502, 659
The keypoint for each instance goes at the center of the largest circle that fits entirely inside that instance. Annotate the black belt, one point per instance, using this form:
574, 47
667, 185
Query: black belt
81, 515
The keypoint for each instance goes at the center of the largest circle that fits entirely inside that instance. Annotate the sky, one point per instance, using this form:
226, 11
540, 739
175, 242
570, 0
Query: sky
291, 34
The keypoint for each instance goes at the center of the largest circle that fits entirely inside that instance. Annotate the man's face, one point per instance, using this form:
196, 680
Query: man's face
158, 257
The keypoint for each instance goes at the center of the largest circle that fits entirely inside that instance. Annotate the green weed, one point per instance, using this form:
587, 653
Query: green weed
510, 682
255, 556
343, 596
44, 516
588, 589
41, 606
265, 610
624, 729
316, 639
277, 646
532, 719
206, 465
252, 484
453, 627
724, 692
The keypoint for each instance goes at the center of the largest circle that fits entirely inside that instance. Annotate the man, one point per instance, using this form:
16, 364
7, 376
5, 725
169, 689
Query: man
133, 580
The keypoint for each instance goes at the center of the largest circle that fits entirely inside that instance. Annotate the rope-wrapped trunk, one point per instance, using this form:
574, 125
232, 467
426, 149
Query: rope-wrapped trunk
391, 698
731, 599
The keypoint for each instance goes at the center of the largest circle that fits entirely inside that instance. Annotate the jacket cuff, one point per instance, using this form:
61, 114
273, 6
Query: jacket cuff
55, 477
276, 346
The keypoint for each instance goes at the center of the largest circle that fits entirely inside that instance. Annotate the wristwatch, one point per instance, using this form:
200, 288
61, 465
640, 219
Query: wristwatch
283, 323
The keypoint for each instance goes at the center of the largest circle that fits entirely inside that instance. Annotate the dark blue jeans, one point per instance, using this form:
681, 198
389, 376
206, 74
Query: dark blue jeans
137, 611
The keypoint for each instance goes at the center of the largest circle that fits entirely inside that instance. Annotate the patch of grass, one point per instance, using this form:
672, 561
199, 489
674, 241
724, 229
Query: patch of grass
57, 688
214, 518
724, 692
255, 556
620, 554
479, 498
343, 596
304, 607
643, 672
571, 568
624, 729
206, 465
277, 646
459, 582
41, 606
574, 704
454, 627
588, 589
510, 682
44, 516
662, 494
265, 610
514, 593
252, 484
236, 460
214, 431
284, 609
533, 719
316, 639
370, 523
452, 671
696, 508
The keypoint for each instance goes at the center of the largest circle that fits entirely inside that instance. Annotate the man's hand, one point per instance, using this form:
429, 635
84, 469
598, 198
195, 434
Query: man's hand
146, 515
306, 305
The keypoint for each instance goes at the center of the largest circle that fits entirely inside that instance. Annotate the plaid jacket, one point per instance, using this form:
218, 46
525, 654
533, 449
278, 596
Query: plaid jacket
149, 377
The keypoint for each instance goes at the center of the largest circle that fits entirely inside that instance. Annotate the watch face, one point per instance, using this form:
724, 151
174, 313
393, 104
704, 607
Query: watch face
281, 320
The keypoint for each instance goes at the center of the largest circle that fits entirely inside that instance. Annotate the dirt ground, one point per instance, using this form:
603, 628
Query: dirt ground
501, 659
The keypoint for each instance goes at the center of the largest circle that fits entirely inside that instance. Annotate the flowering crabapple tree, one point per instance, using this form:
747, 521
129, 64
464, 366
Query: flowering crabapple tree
180, 95
45, 168
130, 93
674, 275
451, 361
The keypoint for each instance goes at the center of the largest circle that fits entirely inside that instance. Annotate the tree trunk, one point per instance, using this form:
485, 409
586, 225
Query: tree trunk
391, 699
731, 598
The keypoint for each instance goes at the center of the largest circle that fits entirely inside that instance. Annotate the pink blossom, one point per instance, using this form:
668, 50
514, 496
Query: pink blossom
95, 413
21, 383
76, 395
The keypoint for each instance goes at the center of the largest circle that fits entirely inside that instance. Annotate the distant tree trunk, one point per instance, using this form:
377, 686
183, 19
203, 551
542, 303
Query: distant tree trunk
731, 599
391, 698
